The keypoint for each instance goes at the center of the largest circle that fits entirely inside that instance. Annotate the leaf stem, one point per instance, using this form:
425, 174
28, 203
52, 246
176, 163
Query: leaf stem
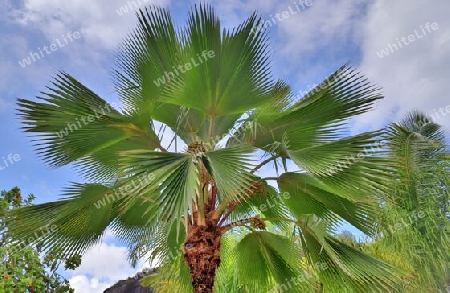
264, 163
248, 220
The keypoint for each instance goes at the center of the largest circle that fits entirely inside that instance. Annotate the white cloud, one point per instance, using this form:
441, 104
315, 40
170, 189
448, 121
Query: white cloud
415, 76
82, 284
102, 266
38, 23
105, 261
318, 38
321, 25
97, 21
308, 42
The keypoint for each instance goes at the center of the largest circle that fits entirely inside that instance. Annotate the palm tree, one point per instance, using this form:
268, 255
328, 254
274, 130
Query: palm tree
176, 172
415, 224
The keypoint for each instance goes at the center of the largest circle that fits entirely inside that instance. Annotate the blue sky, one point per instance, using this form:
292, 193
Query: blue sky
306, 47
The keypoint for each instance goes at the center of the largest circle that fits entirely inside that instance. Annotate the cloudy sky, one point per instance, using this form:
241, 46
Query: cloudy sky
403, 46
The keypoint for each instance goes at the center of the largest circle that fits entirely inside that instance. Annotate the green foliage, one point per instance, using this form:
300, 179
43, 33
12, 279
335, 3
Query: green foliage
26, 268
151, 194
414, 226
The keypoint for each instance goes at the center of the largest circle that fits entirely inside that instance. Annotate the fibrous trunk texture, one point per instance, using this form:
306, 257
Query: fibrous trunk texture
202, 249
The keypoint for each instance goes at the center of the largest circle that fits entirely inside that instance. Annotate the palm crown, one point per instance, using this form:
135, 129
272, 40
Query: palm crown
178, 165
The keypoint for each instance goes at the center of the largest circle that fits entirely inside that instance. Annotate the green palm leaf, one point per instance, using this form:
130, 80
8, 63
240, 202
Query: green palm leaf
349, 269
309, 195
80, 224
275, 260
76, 125
320, 115
230, 165
176, 185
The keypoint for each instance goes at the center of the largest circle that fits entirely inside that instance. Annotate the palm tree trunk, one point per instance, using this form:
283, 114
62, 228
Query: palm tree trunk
202, 254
